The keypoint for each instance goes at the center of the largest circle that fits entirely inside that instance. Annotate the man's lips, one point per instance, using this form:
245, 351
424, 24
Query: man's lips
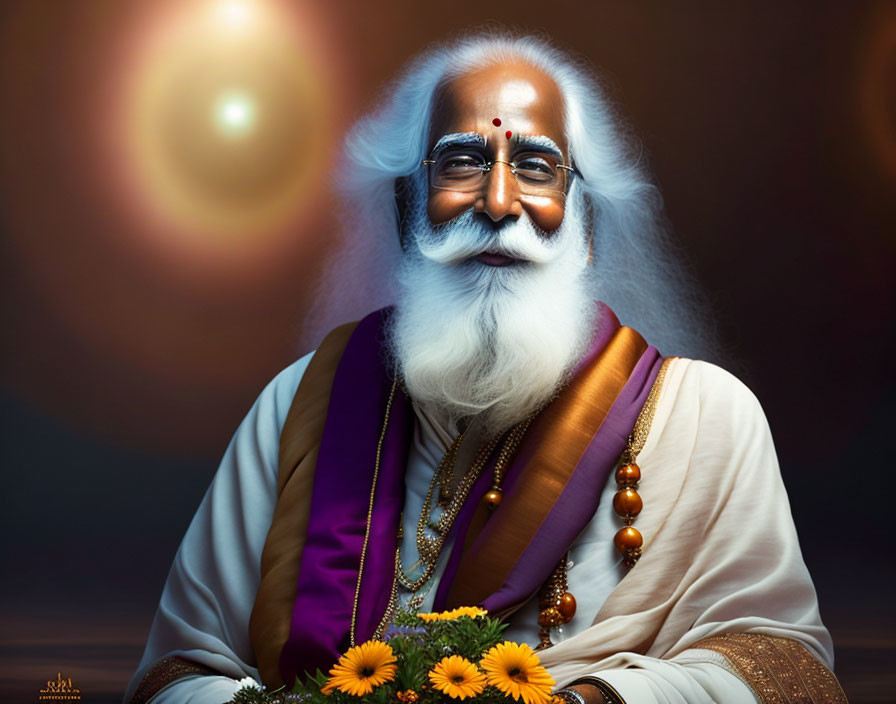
495, 259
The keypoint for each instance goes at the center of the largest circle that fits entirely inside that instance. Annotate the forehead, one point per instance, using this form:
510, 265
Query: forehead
524, 99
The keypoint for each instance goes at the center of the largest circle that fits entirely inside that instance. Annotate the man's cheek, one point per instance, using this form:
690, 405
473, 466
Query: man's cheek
546, 213
443, 206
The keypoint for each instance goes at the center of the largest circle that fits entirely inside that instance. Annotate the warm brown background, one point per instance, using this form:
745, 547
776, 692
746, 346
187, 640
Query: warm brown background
139, 324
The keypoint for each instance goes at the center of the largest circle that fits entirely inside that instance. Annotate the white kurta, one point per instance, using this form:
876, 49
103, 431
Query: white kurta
208, 598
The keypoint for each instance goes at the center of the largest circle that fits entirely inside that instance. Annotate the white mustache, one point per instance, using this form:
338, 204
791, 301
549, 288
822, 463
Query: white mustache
466, 237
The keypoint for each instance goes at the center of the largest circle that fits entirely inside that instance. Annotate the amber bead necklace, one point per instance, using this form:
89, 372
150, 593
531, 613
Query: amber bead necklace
627, 503
556, 604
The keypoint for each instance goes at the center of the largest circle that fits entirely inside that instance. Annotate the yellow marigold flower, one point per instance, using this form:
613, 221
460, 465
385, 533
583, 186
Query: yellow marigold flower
457, 677
471, 611
362, 668
515, 670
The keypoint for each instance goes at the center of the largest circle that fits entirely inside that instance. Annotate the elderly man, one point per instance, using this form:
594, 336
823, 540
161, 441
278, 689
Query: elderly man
495, 437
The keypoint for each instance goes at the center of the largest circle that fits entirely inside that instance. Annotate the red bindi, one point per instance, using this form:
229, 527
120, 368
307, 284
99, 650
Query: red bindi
497, 122
508, 134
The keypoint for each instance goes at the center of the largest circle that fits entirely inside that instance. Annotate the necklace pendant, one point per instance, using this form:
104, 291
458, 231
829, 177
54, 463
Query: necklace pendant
493, 498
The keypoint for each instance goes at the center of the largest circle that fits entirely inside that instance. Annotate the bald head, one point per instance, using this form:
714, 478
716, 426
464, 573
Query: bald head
524, 98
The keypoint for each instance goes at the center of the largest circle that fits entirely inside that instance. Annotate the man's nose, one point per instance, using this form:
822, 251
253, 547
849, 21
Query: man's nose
500, 199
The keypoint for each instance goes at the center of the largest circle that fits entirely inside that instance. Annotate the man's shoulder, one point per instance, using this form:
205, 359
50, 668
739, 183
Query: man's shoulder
713, 384
280, 391
715, 395
708, 420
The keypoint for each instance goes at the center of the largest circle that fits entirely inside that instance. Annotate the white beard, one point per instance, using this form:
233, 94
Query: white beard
473, 339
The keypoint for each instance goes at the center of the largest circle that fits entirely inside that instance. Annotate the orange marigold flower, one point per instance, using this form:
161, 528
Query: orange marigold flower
362, 668
515, 669
457, 677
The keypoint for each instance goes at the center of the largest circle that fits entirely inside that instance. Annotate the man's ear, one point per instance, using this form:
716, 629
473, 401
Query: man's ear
401, 205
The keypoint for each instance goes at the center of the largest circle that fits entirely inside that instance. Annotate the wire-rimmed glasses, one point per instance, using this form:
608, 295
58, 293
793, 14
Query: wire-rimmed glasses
466, 171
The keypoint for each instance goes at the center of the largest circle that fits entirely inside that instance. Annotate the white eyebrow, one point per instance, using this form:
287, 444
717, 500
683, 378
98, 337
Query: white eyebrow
450, 140
474, 138
540, 141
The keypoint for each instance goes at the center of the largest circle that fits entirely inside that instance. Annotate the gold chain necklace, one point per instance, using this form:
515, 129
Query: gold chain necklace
376, 472
430, 547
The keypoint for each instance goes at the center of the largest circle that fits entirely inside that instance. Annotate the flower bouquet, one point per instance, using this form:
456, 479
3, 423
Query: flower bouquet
424, 659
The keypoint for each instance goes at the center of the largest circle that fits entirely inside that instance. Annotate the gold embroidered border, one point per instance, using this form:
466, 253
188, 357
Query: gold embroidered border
645, 418
778, 670
163, 673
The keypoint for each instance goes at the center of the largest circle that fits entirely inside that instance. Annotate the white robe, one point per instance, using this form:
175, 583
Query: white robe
208, 598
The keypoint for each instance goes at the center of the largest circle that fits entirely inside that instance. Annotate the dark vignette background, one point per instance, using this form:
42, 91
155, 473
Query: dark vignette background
770, 128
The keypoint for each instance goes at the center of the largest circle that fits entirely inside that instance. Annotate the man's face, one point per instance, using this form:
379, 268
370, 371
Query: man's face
474, 115
494, 304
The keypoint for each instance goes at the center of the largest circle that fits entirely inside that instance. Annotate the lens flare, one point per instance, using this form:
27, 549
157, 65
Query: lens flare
226, 134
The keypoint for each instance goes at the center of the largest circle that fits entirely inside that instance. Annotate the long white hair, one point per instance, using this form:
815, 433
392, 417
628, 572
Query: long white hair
636, 270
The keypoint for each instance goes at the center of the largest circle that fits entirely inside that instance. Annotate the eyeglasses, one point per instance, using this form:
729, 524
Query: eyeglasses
464, 171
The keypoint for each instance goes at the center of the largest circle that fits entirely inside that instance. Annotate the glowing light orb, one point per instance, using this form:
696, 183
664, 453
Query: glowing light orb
234, 114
